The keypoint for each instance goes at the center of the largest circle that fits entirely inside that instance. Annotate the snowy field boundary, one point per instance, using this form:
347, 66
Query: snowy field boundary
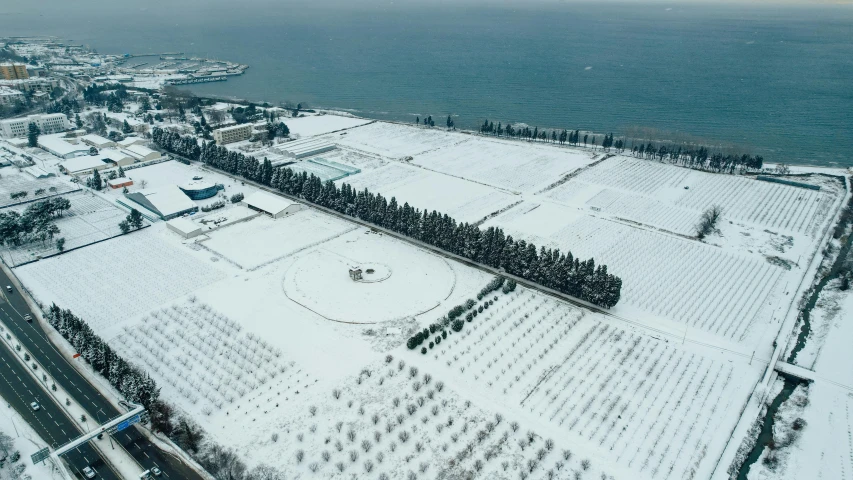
759, 393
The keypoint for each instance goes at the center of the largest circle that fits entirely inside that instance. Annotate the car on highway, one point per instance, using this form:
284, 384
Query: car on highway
28, 318
9, 288
156, 471
35, 406
88, 472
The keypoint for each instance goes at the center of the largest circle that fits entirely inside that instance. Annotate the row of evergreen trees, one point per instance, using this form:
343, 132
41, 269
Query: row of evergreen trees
134, 384
691, 156
698, 157
548, 267
36, 223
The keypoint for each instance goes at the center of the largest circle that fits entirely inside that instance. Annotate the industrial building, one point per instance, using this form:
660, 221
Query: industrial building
164, 203
85, 165
48, 123
232, 134
305, 148
62, 148
272, 205
97, 141
13, 71
130, 141
142, 154
118, 157
184, 227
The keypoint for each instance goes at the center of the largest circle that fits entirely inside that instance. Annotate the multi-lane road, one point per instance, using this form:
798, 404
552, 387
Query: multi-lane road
31, 336
19, 390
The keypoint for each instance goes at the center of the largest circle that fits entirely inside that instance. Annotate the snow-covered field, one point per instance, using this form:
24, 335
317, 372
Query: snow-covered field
321, 124
665, 196
509, 165
649, 406
110, 282
725, 293
397, 282
257, 331
12, 181
90, 219
263, 240
462, 200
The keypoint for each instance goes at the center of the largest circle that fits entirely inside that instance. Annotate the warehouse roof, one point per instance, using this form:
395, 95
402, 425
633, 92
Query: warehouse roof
272, 204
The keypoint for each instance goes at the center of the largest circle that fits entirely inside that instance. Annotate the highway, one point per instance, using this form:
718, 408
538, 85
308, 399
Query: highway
19, 390
100, 410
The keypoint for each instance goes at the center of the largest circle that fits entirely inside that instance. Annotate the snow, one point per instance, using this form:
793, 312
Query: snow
233, 323
26, 441
109, 282
464, 201
13, 181
262, 240
309, 126
403, 283
272, 204
90, 219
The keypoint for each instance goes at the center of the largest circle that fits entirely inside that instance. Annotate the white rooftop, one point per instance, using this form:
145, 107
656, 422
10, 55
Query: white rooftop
96, 140
268, 202
80, 164
138, 151
168, 200
60, 146
114, 155
184, 225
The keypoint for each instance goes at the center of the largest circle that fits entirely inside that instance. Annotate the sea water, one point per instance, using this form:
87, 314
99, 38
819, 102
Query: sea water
776, 81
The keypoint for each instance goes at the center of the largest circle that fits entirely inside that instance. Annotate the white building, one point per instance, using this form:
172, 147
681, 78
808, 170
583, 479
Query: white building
85, 165
47, 123
62, 148
232, 134
9, 96
184, 227
141, 154
119, 157
164, 203
272, 205
130, 141
97, 141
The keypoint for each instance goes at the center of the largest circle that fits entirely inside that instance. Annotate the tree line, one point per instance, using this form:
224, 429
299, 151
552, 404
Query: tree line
698, 157
36, 223
137, 386
548, 267
133, 383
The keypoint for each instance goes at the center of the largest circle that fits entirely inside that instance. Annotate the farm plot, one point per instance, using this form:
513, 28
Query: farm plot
633, 175
515, 166
675, 191
717, 291
639, 402
646, 210
112, 281
769, 204
396, 141
90, 219
263, 240
204, 361
393, 421
15, 182
322, 124
465, 201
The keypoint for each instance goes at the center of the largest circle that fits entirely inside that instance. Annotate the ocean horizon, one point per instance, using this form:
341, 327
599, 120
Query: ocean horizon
770, 80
